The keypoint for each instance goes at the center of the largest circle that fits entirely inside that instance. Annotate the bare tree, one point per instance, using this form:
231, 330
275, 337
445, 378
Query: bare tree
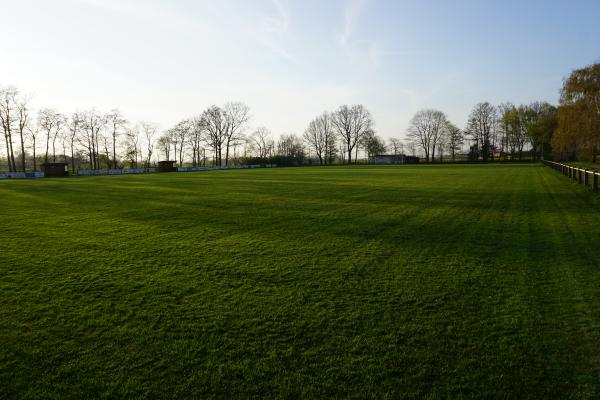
196, 139
411, 147
75, 125
50, 121
236, 115
351, 123
442, 142
180, 135
164, 144
32, 133
60, 121
22, 123
262, 141
292, 148
105, 140
215, 125
117, 123
319, 135
425, 129
396, 146
132, 150
149, 131
93, 124
7, 119
482, 126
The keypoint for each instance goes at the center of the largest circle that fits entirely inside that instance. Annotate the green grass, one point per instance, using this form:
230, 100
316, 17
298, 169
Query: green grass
368, 282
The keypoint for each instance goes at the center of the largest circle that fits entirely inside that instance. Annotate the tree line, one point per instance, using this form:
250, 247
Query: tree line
221, 135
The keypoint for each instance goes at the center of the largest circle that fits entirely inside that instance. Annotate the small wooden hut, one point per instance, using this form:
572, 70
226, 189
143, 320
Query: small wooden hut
55, 169
167, 166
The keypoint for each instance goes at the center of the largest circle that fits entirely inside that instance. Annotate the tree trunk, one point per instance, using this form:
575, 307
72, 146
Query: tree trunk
47, 147
72, 158
22, 150
114, 150
12, 152
227, 152
34, 159
8, 152
92, 145
54, 149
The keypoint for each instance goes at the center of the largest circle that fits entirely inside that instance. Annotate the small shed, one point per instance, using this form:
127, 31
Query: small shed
167, 166
55, 169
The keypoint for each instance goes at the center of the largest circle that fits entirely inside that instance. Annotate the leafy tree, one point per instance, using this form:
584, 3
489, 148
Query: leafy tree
455, 139
373, 144
578, 116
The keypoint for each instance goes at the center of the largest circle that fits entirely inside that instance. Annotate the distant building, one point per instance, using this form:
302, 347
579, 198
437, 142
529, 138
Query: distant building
393, 159
55, 169
167, 166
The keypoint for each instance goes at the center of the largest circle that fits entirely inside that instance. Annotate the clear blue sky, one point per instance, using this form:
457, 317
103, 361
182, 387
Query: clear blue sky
289, 60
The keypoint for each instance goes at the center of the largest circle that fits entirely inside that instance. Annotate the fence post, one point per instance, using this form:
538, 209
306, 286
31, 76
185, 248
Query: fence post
596, 181
579, 176
585, 177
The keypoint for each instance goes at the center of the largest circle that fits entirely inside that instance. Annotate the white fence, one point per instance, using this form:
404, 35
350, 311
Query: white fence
22, 175
582, 176
94, 172
192, 169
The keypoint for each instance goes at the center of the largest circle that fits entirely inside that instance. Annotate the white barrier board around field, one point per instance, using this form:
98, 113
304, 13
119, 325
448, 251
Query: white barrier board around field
22, 175
91, 172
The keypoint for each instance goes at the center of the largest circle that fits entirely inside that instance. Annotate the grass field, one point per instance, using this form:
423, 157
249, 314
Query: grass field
368, 282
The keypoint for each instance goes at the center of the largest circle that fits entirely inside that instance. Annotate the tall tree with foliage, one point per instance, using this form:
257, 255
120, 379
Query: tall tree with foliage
454, 138
578, 117
373, 144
